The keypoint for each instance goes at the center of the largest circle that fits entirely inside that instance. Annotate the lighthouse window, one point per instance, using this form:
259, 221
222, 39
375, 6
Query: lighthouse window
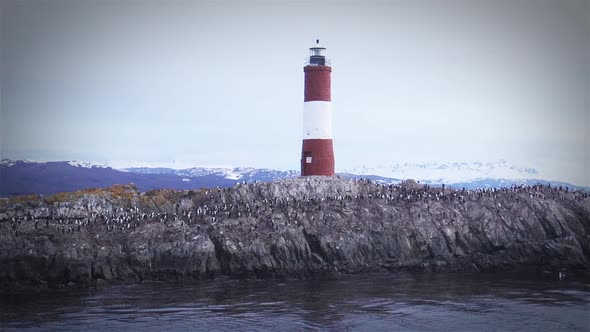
308, 160
317, 52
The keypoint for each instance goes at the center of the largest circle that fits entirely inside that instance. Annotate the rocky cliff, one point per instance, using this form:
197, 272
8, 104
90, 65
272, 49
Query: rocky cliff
298, 227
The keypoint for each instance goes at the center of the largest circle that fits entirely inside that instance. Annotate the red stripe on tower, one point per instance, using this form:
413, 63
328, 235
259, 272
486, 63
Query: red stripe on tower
317, 153
317, 83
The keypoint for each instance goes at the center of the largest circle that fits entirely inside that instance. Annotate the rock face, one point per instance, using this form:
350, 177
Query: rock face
299, 227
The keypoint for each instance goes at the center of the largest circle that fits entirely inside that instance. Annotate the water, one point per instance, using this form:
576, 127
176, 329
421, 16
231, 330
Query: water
375, 302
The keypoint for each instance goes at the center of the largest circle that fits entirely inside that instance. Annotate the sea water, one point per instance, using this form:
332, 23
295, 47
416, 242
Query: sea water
363, 302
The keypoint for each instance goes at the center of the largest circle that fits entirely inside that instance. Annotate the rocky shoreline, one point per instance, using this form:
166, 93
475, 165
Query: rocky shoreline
298, 227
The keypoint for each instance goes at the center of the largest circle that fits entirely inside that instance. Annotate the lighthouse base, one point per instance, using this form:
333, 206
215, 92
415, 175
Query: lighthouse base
317, 157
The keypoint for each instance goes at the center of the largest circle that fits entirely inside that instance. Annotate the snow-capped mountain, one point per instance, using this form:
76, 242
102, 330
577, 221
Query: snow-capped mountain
26, 177
76, 163
453, 172
8, 162
237, 173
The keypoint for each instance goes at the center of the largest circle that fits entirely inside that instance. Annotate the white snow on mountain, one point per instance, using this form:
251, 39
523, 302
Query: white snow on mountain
452, 172
76, 163
10, 162
228, 173
7, 162
236, 173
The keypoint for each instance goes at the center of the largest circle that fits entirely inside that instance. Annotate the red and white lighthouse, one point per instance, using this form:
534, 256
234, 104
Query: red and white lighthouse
317, 153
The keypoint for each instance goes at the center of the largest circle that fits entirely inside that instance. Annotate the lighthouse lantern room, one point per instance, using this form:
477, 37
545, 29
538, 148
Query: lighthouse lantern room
317, 154
317, 55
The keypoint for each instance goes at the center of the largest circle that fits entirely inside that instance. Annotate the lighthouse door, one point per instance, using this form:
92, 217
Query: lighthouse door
307, 159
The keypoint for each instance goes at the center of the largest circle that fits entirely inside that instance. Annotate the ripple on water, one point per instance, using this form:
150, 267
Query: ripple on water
369, 302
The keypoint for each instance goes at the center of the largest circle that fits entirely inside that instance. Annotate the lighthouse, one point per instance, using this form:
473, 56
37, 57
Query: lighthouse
317, 153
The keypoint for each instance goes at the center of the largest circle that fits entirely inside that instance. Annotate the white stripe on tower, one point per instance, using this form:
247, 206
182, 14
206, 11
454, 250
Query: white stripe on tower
317, 120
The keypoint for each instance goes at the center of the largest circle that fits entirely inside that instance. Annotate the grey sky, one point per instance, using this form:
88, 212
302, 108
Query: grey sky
221, 83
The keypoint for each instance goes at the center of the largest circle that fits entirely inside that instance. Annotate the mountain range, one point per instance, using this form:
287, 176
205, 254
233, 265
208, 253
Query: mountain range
19, 177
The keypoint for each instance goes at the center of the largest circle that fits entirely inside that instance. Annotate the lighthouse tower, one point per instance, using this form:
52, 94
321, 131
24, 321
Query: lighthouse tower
317, 153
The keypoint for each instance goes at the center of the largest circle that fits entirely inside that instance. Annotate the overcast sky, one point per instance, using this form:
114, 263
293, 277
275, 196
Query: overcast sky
188, 83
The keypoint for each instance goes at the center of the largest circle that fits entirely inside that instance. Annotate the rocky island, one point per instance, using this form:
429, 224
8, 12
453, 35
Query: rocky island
299, 227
